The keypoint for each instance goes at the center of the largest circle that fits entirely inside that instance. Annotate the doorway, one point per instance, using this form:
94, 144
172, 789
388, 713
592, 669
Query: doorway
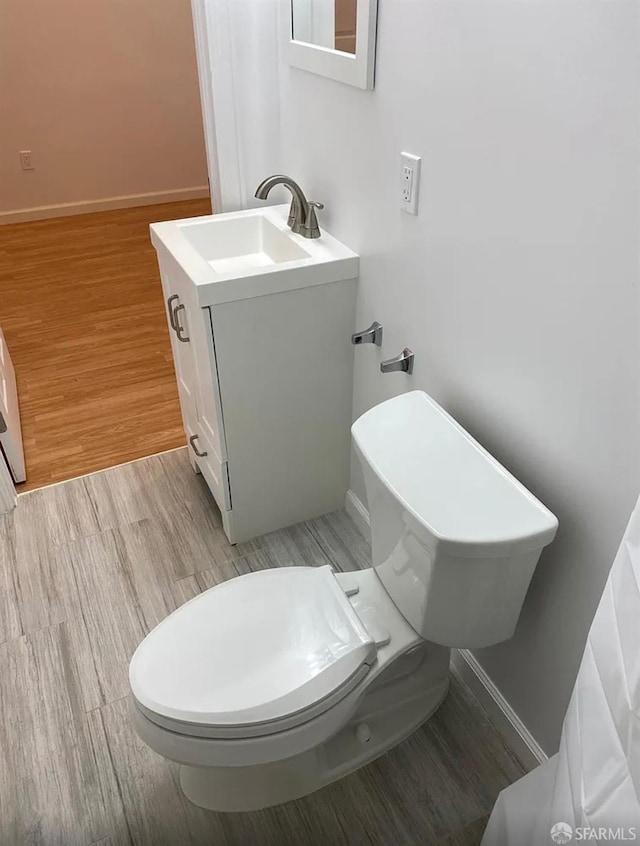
112, 141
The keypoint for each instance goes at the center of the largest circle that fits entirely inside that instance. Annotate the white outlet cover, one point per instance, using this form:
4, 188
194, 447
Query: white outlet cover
409, 182
25, 160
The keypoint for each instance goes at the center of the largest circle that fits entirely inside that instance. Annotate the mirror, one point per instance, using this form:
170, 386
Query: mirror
326, 23
333, 38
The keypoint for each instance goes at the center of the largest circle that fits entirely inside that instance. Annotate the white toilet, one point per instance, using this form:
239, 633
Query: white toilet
273, 684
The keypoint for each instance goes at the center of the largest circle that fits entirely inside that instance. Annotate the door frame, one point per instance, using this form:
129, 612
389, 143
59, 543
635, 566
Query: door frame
8, 495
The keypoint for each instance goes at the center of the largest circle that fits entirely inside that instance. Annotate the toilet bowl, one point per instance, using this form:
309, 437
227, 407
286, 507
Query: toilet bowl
273, 684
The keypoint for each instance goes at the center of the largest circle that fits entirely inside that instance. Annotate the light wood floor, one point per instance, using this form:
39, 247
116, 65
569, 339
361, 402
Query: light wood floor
82, 310
87, 568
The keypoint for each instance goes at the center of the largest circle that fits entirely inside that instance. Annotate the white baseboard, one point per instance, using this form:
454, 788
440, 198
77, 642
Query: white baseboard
468, 669
358, 513
514, 732
105, 204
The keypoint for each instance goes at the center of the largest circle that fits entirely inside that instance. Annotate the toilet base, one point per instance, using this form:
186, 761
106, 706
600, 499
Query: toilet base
376, 727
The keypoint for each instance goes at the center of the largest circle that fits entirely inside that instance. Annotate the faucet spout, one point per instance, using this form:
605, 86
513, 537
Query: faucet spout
302, 216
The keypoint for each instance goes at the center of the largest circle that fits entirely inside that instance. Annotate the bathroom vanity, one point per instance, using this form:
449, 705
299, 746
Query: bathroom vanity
260, 322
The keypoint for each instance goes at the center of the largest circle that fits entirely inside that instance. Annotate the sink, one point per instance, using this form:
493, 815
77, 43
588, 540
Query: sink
241, 243
250, 253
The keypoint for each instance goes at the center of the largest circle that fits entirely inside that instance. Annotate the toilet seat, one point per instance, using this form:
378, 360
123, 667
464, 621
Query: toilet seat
199, 745
258, 654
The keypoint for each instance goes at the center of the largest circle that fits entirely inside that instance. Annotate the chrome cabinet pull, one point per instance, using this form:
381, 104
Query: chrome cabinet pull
402, 362
192, 444
179, 330
172, 319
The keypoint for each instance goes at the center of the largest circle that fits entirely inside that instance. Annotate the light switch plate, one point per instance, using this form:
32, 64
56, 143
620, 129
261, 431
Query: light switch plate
409, 182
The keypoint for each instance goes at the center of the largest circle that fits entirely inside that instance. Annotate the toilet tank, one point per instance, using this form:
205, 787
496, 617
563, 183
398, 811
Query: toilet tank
455, 537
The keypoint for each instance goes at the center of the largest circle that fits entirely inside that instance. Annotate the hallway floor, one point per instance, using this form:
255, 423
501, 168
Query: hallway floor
87, 568
83, 314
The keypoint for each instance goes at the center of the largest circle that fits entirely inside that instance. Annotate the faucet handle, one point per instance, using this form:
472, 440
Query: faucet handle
311, 228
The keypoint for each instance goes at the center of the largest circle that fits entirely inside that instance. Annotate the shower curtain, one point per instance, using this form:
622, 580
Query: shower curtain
590, 790
239, 68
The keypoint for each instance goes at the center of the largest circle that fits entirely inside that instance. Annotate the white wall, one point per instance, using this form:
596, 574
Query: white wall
105, 95
517, 285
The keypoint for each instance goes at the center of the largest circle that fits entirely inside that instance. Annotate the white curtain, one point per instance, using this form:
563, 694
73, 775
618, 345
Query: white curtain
256, 82
590, 790
239, 67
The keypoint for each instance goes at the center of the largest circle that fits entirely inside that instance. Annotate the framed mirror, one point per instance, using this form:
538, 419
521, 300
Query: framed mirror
333, 38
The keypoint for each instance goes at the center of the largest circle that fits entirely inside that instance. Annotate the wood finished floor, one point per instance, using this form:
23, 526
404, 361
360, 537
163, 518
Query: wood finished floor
87, 568
82, 310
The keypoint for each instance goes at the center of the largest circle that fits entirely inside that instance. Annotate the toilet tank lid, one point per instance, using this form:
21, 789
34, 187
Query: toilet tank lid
457, 492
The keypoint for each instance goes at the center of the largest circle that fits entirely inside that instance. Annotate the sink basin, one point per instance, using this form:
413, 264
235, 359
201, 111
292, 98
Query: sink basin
241, 243
251, 253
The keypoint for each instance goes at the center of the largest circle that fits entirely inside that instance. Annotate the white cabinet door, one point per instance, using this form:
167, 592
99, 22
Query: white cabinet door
10, 432
182, 349
183, 360
209, 403
194, 361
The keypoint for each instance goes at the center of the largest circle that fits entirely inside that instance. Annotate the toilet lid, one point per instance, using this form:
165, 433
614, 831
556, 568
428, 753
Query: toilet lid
255, 649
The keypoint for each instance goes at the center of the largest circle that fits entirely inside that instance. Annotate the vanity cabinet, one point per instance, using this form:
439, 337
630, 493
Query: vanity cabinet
265, 386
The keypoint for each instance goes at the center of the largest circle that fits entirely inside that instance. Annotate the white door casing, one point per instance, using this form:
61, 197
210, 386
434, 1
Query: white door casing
8, 496
12, 457
10, 431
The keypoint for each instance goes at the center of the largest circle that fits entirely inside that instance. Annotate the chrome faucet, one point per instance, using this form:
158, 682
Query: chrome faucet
302, 213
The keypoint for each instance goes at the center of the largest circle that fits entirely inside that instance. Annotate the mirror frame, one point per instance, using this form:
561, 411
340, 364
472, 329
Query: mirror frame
352, 69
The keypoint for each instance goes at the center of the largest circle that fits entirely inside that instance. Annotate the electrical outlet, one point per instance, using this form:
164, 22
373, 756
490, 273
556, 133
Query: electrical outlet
409, 182
26, 160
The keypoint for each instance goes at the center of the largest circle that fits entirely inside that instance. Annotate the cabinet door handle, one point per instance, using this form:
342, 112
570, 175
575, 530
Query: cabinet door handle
179, 330
192, 444
172, 319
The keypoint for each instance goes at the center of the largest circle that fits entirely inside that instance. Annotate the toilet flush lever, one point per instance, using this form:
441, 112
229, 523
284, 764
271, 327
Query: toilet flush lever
402, 362
372, 335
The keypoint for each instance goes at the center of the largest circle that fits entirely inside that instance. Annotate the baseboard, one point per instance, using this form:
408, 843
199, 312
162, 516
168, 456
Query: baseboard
106, 204
514, 732
358, 513
468, 669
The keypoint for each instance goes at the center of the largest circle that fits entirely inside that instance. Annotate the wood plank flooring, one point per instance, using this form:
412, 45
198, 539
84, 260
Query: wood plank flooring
82, 310
86, 569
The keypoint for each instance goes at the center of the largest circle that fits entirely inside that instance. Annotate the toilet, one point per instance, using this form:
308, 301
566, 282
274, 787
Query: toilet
274, 684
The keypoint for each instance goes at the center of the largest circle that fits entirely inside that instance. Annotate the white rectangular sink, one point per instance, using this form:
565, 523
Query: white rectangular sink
251, 253
241, 243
